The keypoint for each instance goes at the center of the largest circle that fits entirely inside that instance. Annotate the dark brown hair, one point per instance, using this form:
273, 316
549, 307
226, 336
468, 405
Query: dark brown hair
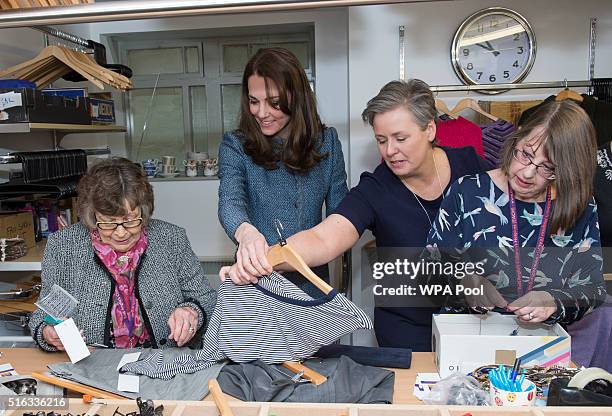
108, 185
300, 151
569, 141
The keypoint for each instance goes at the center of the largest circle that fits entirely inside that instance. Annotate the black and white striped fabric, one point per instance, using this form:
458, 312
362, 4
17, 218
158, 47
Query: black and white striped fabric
273, 321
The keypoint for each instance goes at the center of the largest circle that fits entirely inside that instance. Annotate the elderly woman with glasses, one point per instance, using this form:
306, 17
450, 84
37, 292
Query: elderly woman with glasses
532, 223
137, 281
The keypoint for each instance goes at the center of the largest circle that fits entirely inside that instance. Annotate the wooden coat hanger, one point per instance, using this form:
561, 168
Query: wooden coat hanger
55, 61
472, 105
283, 253
567, 94
220, 400
442, 108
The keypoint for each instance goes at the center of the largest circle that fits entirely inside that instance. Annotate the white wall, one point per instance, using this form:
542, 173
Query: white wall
561, 29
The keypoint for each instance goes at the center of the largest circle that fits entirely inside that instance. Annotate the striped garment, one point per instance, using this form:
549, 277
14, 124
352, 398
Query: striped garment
273, 321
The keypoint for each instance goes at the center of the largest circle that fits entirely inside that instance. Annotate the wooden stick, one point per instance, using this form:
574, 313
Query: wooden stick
314, 377
219, 398
79, 388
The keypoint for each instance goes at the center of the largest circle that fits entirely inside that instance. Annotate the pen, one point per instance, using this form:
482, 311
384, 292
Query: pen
515, 369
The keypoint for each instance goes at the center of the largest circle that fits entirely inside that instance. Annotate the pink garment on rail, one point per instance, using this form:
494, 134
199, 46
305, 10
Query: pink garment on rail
460, 133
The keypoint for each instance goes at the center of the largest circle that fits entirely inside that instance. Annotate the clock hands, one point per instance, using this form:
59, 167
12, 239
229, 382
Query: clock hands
496, 52
489, 48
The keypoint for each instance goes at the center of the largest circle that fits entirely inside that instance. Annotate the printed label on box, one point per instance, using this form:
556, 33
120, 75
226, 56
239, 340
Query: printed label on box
10, 99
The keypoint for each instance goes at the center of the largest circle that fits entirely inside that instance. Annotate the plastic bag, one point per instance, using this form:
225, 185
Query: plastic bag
458, 389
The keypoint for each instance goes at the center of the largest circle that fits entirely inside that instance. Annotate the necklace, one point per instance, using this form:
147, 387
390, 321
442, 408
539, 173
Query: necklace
439, 184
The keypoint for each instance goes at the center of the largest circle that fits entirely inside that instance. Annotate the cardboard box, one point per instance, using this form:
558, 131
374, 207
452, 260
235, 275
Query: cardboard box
17, 224
466, 342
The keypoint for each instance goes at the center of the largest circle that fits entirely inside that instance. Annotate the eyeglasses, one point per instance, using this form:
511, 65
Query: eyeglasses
525, 159
113, 225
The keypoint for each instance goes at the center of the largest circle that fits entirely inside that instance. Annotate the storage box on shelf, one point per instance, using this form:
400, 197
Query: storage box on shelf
28, 105
17, 224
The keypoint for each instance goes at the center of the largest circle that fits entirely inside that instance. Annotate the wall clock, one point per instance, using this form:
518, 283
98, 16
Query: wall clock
493, 46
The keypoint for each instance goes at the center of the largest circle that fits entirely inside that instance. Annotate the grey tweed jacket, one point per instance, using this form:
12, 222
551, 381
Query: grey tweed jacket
169, 276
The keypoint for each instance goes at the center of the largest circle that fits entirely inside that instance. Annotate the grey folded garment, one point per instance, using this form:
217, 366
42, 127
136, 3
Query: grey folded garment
347, 382
99, 370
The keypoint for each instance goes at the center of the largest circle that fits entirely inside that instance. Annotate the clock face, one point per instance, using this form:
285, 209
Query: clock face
493, 46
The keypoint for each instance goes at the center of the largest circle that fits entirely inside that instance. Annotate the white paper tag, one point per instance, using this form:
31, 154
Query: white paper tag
7, 370
10, 99
128, 383
128, 358
423, 384
73, 342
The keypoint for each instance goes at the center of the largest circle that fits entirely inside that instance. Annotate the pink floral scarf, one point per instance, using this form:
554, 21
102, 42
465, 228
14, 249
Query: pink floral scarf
129, 330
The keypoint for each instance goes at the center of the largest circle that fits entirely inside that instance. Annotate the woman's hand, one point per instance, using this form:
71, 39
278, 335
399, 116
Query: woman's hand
50, 336
251, 261
489, 297
183, 324
534, 306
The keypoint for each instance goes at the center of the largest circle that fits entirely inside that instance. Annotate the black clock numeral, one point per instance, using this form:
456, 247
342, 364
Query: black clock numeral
506, 74
480, 27
479, 74
516, 36
466, 52
520, 50
515, 64
470, 66
492, 78
494, 23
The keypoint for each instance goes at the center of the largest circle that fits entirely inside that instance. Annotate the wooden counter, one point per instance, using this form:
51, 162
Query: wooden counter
28, 360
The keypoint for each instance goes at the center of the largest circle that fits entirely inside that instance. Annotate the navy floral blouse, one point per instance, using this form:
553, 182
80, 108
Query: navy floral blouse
474, 224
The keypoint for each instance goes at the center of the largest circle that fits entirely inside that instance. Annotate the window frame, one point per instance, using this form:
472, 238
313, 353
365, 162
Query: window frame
211, 76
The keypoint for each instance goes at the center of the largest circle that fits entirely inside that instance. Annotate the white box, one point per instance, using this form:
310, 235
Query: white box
466, 342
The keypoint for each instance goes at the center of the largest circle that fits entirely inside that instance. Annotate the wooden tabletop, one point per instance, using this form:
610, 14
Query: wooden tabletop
28, 360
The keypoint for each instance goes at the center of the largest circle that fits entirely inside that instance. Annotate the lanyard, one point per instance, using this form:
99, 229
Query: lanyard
539, 245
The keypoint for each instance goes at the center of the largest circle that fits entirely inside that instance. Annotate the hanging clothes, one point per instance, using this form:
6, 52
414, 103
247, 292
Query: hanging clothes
603, 196
600, 113
272, 321
459, 133
508, 110
602, 89
493, 137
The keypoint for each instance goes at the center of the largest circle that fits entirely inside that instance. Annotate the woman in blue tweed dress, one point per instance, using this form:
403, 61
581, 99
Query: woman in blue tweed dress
281, 163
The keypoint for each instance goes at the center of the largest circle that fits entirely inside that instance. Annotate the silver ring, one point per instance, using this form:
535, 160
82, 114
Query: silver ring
191, 329
530, 316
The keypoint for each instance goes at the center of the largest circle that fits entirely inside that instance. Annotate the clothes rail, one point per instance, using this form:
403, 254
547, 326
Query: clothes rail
5, 159
60, 34
522, 86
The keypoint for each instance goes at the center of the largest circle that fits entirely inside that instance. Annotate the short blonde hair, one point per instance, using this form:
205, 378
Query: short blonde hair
570, 144
108, 185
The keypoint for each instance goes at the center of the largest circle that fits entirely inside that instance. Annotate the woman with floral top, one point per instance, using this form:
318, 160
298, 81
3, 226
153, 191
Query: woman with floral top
137, 280
533, 222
